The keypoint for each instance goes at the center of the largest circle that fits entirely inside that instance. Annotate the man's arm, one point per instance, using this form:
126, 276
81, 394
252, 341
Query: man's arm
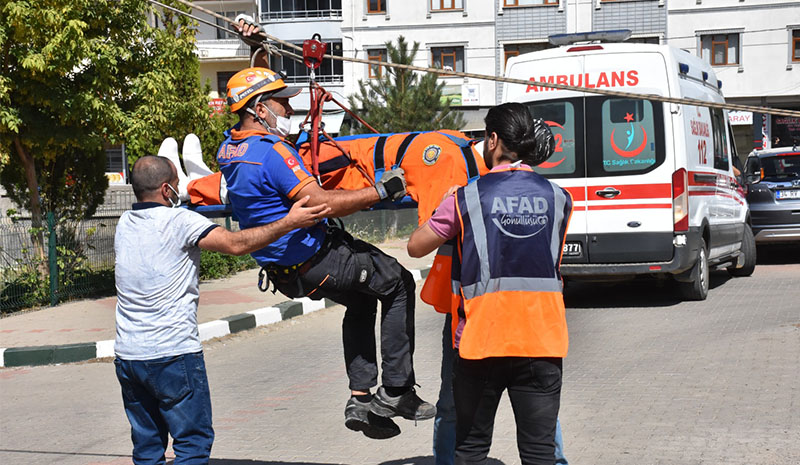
344, 202
252, 239
423, 241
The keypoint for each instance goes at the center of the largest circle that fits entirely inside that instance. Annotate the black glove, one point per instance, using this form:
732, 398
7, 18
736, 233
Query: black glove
392, 185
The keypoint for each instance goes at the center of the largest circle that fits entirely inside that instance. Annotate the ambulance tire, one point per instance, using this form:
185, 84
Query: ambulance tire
749, 251
697, 287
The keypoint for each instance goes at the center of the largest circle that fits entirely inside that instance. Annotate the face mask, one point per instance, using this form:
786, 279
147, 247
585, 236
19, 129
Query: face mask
175, 203
282, 124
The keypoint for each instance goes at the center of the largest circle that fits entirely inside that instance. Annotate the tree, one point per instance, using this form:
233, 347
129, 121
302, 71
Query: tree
79, 75
403, 100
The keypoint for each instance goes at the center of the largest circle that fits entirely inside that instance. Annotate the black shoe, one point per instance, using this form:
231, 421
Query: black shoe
357, 417
408, 405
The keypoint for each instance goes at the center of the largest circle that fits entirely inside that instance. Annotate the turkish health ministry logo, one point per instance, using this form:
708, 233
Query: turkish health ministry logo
627, 152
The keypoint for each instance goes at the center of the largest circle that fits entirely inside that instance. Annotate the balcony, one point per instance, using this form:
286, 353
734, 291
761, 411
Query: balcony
222, 49
332, 13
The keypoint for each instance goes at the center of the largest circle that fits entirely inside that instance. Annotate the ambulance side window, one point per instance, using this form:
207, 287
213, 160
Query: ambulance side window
630, 136
564, 118
721, 156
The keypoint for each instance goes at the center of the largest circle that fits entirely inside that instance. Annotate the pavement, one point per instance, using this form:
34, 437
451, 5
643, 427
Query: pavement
649, 380
85, 329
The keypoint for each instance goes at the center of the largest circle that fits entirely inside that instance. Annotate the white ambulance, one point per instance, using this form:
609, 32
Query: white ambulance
653, 183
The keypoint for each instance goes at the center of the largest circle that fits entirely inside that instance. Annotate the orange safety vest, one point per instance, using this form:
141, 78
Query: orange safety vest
514, 223
436, 291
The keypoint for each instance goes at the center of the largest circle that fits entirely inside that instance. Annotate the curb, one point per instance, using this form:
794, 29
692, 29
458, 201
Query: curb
55, 354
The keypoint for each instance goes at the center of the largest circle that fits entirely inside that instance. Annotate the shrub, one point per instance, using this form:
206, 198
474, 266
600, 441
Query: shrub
215, 265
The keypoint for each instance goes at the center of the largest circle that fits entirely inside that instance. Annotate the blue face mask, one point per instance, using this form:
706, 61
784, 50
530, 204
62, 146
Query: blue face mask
177, 202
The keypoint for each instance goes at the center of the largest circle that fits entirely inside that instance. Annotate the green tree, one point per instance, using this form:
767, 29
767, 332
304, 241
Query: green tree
79, 75
403, 100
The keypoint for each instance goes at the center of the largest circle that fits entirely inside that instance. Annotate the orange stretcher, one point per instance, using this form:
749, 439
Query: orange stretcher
433, 161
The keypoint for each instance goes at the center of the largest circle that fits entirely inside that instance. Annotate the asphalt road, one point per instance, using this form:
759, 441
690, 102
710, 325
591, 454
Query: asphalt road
648, 380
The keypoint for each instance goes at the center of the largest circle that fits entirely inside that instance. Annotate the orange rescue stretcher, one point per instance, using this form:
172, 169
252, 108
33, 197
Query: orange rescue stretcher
433, 161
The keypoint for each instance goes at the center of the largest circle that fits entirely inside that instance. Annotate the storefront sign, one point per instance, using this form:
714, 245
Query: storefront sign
470, 94
217, 105
451, 94
740, 118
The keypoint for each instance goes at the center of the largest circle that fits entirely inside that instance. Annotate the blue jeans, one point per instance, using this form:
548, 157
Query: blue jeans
444, 425
167, 396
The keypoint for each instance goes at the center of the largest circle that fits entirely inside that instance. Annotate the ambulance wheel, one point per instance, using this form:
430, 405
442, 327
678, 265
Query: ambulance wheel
697, 286
749, 251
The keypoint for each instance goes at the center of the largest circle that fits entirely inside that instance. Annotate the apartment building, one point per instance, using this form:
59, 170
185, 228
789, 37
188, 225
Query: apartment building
754, 47
456, 35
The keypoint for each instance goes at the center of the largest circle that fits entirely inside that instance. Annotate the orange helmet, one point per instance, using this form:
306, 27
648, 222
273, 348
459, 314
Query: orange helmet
249, 82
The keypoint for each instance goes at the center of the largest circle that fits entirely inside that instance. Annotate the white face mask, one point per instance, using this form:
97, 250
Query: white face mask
282, 124
175, 203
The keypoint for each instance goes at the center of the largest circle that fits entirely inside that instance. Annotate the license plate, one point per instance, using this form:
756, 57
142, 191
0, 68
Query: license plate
572, 249
792, 194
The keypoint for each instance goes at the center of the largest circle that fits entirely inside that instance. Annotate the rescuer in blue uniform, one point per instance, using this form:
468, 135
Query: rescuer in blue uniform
265, 176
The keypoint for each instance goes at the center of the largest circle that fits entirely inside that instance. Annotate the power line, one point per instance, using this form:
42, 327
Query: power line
271, 49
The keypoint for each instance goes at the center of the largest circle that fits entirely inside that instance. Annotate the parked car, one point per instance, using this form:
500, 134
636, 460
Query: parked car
773, 192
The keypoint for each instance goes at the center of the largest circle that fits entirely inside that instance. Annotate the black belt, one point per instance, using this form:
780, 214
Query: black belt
300, 268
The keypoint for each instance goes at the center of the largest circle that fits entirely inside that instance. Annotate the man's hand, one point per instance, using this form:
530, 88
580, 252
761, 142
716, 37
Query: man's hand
450, 192
392, 184
246, 25
301, 216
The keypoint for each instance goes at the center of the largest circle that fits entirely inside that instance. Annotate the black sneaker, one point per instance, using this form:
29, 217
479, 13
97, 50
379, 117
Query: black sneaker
408, 406
357, 417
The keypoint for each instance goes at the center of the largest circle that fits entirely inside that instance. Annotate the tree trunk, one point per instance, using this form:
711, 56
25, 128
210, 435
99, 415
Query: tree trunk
35, 206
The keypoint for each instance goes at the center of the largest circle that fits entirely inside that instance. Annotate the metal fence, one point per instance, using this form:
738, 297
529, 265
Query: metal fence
72, 259
75, 259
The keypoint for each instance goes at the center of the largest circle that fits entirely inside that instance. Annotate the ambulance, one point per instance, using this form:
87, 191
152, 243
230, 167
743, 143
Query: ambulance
652, 182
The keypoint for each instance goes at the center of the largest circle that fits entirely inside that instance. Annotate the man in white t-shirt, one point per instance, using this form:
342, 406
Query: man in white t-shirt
159, 358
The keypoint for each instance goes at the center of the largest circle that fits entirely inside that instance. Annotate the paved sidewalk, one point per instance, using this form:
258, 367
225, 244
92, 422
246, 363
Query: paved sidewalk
84, 329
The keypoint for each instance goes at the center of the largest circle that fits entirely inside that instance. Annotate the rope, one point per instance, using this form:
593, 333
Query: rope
442, 72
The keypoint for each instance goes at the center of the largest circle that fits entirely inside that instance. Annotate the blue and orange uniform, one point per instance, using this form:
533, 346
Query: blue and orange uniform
264, 174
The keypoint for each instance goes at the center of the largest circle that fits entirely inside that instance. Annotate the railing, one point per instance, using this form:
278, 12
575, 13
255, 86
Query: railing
331, 79
241, 49
77, 260
301, 14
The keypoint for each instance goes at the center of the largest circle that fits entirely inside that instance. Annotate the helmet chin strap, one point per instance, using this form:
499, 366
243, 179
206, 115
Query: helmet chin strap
259, 119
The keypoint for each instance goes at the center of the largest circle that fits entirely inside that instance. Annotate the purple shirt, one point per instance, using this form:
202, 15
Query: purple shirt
445, 223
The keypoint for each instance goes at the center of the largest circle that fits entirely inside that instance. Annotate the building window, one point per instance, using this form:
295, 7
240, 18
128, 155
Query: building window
378, 54
720, 49
230, 15
286, 9
330, 71
376, 6
222, 82
448, 58
513, 3
443, 5
795, 45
